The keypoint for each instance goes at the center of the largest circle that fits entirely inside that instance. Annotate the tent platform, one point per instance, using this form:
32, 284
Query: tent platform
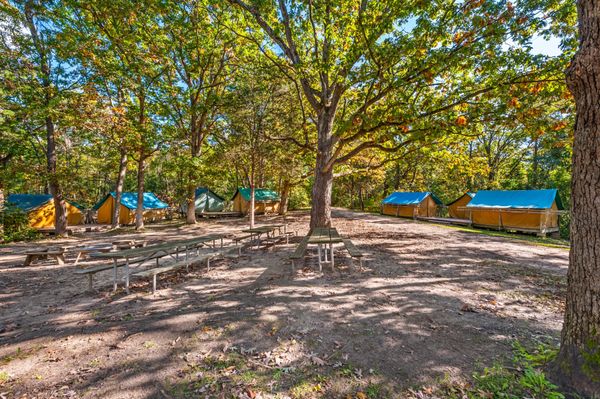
460, 222
220, 214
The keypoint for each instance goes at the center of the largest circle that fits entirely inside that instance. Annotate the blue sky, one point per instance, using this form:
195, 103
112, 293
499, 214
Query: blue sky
546, 47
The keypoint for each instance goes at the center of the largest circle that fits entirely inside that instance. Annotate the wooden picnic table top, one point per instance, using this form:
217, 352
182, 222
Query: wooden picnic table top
324, 235
150, 249
260, 229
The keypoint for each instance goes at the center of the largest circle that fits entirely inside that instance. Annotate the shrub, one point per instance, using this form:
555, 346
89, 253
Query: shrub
16, 225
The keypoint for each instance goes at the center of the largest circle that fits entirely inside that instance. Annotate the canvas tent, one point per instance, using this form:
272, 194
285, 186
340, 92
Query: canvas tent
521, 210
154, 209
40, 210
456, 209
410, 204
207, 201
265, 201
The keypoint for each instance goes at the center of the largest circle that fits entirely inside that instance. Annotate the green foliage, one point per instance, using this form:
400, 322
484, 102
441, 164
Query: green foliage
15, 225
523, 379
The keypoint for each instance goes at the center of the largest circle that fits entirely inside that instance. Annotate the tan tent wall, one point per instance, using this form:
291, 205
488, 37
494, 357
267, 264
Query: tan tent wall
517, 219
126, 215
405, 211
457, 209
241, 205
45, 216
427, 208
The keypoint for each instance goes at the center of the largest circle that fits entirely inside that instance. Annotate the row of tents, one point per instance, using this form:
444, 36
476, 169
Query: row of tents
531, 211
522, 210
41, 213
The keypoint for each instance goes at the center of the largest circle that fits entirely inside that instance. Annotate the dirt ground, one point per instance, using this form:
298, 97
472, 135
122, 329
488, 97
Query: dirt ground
432, 304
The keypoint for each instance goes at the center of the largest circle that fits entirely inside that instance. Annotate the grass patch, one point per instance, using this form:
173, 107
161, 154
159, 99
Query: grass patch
20, 354
524, 379
4, 377
542, 241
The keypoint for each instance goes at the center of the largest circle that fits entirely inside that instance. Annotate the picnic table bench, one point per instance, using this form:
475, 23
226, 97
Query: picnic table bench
139, 256
57, 253
299, 252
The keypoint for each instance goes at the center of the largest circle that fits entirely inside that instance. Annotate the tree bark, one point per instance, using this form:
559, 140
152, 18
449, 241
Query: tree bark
60, 208
190, 217
320, 214
577, 366
252, 202
119, 189
285, 197
139, 211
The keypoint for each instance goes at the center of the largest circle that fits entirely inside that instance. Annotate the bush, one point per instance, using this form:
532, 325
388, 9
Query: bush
15, 225
564, 225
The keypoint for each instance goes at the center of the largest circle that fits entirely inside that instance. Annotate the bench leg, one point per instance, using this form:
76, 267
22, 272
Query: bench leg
60, 259
153, 284
332, 263
77, 259
28, 260
90, 284
208, 264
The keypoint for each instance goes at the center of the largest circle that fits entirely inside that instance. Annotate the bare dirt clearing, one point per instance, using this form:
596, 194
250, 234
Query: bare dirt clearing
431, 303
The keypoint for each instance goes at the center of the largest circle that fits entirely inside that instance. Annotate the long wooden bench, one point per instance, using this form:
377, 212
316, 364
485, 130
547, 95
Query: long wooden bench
299, 252
90, 271
353, 251
32, 256
155, 271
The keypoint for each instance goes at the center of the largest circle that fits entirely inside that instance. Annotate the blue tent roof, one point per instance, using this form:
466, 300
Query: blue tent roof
260, 194
530, 199
27, 202
129, 200
409, 198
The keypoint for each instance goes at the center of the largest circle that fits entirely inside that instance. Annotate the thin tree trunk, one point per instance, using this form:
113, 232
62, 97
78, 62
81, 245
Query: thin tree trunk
578, 363
60, 208
190, 217
119, 189
252, 201
139, 211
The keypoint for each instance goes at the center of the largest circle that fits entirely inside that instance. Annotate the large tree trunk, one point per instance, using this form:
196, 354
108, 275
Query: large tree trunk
139, 211
320, 214
60, 208
578, 363
119, 189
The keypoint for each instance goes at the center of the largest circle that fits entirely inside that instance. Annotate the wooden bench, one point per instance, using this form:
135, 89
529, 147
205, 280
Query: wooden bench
299, 252
353, 250
85, 251
90, 271
155, 271
56, 253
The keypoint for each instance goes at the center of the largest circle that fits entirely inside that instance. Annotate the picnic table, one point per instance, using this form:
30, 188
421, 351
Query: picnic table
127, 244
325, 238
269, 230
136, 257
58, 253
86, 251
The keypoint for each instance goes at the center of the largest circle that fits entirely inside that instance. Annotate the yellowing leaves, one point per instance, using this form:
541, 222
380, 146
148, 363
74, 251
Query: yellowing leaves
461, 121
514, 102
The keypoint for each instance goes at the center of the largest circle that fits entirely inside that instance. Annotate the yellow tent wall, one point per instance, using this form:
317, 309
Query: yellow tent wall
45, 216
427, 208
539, 220
456, 209
126, 215
241, 205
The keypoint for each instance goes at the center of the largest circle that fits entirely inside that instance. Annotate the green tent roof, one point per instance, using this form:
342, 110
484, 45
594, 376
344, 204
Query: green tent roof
260, 194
